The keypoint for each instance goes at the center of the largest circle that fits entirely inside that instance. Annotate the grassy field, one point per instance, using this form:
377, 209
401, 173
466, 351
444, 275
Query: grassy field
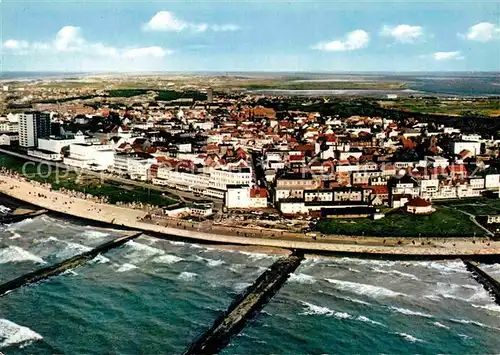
444, 222
476, 107
115, 192
477, 207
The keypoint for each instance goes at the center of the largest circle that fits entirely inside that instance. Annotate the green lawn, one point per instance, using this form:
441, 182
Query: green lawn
477, 207
88, 184
443, 222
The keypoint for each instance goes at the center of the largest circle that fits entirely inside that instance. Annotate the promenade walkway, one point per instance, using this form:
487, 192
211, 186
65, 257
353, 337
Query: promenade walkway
100, 212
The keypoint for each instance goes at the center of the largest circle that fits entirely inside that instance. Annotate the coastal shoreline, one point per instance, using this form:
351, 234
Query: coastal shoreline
129, 219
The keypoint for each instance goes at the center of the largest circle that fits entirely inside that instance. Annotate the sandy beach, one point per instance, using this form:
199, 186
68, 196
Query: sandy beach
100, 212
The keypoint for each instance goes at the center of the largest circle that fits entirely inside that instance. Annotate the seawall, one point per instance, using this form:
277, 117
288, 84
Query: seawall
132, 219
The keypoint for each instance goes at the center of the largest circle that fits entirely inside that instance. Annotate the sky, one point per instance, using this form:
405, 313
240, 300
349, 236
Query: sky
227, 36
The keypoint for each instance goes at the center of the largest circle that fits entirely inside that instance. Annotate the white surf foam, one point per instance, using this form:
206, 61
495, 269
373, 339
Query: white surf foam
488, 307
14, 334
312, 309
141, 252
187, 276
473, 322
409, 312
126, 267
368, 320
167, 259
13, 254
72, 249
409, 338
173, 242
100, 259
364, 289
448, 267
94, 234
210, 262
301, 278
441, 325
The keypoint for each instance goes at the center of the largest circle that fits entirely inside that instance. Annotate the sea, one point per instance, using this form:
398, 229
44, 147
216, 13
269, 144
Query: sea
154, 296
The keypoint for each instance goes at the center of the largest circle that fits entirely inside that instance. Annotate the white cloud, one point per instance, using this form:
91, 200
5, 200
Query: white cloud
456, 55
403, 33
14, 44
167, 21
153, 51
483, 32
70, 39
353, 40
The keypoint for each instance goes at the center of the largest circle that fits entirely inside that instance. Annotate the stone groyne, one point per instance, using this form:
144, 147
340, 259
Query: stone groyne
133, 219
489, 283
245, 307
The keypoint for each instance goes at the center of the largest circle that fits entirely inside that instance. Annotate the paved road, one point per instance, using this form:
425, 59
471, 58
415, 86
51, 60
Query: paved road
183, 195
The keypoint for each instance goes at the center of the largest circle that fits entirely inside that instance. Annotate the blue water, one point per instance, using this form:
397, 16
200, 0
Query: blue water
154, 296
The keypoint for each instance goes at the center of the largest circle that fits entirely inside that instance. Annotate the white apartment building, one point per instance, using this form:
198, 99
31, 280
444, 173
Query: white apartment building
56, 144
27, 136
132, 165
90, 156
220, 179
237, 196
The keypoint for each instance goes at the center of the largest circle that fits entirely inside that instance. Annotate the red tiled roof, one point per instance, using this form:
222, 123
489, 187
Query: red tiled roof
258, 192
418, 202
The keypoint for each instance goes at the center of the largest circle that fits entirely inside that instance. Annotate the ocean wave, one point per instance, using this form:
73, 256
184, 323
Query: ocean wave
311, 309
409, 337
368, 320
364, 289
256, 256
395, 272
126, 267
173, 242
236, 268
409, 312
13, 254
187, 276
94, 234
70, 272
489, 307
141, 252
24, 222
167, 259
380, 263
449, 267
100, 259
301, 278
210, 262
14, 334
72, 249
441, 325
456, 292
473, 322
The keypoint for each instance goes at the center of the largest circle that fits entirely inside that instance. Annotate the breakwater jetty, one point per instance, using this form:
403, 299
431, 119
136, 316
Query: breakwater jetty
13, 218
245, 306
62, 266
489, 283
